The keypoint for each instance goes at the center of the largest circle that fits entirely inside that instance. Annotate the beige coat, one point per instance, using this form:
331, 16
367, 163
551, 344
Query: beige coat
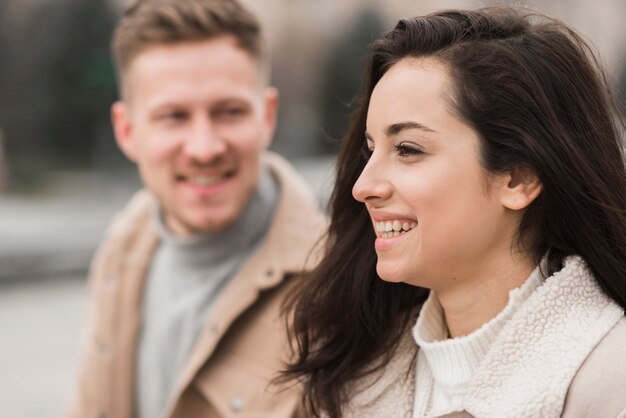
241, 348
597, 390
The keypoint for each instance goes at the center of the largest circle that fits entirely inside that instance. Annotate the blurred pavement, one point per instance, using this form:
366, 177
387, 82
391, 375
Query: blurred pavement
40, 328
56, 234
52, 234
45, 246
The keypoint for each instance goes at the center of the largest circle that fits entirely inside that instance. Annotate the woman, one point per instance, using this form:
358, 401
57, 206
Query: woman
491, 202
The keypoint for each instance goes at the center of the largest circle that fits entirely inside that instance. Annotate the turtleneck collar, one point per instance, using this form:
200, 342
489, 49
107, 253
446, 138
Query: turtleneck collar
202, 248
454, 360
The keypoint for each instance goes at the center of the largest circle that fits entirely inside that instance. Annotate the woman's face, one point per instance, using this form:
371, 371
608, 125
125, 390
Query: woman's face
438, 216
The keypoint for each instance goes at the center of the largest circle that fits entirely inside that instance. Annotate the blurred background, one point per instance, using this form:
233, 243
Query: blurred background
62, 177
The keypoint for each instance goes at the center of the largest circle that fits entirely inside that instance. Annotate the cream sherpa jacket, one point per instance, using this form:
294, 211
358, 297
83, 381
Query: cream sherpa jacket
562, 354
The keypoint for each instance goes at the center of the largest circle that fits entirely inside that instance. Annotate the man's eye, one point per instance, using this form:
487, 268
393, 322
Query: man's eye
235, 111
174, 116
404, 150
231, 113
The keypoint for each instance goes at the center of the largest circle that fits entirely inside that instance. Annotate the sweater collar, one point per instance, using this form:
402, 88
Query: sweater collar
454, 361
295, 228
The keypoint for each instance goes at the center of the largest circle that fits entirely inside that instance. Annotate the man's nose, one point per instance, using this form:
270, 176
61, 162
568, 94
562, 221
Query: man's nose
203, 142
372, 185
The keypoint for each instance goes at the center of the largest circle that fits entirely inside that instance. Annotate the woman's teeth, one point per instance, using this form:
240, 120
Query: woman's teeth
390, 229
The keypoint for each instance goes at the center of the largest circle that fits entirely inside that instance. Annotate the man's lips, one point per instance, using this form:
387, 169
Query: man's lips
204, 180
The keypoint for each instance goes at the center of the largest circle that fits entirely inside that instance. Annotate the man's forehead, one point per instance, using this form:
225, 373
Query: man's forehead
213, 65
196, 52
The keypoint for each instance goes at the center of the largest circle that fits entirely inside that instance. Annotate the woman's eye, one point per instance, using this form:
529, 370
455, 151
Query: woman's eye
404, 150
366, 152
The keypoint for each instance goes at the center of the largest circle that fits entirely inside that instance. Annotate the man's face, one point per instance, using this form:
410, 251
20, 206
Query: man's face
196, 120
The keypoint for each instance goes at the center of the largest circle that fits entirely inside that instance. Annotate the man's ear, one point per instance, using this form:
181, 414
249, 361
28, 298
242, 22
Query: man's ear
123, 129
520, 187
271, 113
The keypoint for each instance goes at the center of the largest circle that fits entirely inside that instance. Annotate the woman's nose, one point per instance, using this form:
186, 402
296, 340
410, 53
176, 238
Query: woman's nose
371, 184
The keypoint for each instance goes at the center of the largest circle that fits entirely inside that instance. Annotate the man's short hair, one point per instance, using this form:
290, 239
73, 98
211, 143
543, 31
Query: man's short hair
148, 23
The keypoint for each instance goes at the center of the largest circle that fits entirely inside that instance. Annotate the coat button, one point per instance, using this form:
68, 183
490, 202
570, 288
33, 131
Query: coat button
237, 404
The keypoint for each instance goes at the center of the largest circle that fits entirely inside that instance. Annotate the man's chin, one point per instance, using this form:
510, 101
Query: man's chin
206, 224
214, 227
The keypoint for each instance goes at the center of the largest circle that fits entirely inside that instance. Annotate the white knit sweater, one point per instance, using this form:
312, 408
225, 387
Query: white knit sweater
529, 365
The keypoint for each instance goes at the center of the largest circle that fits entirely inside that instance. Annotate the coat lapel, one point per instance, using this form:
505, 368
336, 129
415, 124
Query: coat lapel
284, 251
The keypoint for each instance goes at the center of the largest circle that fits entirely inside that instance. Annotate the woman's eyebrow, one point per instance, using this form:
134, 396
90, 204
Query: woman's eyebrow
396, 128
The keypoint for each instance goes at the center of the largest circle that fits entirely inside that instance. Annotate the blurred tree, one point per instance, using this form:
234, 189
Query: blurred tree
57, 82
5, 59
79, 79
343, 76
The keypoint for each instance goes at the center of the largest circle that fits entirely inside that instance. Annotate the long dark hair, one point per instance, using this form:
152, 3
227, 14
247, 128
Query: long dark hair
533, 91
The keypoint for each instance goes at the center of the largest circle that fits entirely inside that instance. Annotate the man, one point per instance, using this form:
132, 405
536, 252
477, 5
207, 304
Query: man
188, 283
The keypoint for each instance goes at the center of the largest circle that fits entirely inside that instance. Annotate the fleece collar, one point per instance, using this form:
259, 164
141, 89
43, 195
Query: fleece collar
530, 366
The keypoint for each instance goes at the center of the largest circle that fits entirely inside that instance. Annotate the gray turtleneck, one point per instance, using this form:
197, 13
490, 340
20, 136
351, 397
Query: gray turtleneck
184, 281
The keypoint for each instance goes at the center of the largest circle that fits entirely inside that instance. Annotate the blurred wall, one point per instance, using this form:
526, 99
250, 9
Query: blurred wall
306, 34
57, 81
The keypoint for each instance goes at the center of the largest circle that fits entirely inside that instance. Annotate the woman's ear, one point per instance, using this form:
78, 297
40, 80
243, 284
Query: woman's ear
520, 187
